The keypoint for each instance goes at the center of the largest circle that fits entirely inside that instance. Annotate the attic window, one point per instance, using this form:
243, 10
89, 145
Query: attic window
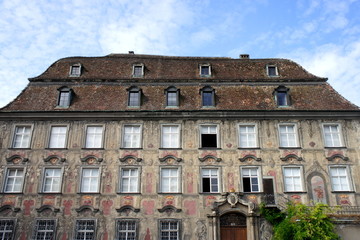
75, 70
282, 96
172, 97
138, 70
134, 96
65, 96
208, 96
205, 70
272, 71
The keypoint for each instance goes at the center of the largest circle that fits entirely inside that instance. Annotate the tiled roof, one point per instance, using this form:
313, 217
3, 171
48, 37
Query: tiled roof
239, 84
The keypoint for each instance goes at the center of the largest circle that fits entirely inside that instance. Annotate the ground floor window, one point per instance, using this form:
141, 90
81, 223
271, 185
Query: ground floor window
126, 229
85, 229
44, 229
169, 229
7, 227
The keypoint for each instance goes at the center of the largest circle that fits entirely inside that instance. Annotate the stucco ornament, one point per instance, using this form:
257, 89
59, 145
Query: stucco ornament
201, 230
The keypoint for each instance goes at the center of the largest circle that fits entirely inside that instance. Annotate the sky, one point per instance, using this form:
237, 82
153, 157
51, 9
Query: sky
321, 35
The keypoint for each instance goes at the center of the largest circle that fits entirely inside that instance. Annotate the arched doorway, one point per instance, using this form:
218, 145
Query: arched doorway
233, 226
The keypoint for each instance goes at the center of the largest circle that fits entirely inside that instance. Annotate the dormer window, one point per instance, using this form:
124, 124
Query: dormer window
65, 96
75, 70
272, 71
134, 96
282, 96
172, 97
138, 70
207, 96
205, 70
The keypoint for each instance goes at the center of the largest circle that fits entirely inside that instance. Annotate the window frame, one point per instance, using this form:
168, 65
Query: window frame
42, 190
123, 136
217, 135
134, 72
175, 90
15, 134
178, 137
71, 72
259, 179
210, 90
66, 102
132, 90
301, 176
117, 230
296, 132
219, 182
14, 221
205, 65
101, 139
179, 182
50, 137
36, 230
256, 135
76, 231
340, 135
81, 190
161, 230
121, 177
5, 182
286, 98
348, 178
268, 70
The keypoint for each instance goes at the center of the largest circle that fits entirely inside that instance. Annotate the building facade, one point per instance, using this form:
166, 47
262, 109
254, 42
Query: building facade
131, 146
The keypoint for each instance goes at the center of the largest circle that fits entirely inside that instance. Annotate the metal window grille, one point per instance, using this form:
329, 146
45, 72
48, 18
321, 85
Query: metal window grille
44, 230
126, 230
85, 230
169, 230
7, 227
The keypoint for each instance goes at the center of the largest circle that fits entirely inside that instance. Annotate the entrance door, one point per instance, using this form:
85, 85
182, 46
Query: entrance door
233, 227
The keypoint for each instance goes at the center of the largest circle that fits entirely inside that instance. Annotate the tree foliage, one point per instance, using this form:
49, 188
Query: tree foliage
301, 222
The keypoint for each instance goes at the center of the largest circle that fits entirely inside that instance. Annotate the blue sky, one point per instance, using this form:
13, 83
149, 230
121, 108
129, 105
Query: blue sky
322, 35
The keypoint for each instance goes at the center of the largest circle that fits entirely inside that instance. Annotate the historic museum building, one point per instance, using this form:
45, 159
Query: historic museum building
130, 146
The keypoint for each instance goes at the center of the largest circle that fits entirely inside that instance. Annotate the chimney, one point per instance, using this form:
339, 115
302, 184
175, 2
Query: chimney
244, 56
131, 52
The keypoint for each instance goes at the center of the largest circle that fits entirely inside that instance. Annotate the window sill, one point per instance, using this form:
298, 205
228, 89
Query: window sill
243, 193
16, 193
210, 148
87, 193
48, 193
209, 193
290, 147
297, 192
92, 148
133, 107
129, 193
12, 148
350, 191
56, 148
171, 193
171, 107
130, 148
170, 148
62, 107
340, 147
248, 148
207, 107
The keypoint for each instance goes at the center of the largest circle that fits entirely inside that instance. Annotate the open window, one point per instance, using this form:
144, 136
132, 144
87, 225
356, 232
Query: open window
209, 136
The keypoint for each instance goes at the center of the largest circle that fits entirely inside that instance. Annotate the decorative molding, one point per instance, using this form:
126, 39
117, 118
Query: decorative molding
250, 157
169, 157
169, 208
15, 159
7, 207
210, 157
128, 208
233, 198
129, 158
54, 159
86, 207
91, 159
337, 157
44, 207
291, 157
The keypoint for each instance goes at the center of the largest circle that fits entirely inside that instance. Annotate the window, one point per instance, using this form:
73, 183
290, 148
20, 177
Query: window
65, 96
208, 136
169, 229
250, 179
22, 137
332, 135
90, 180
247, 136
138, 70
293, 179
172, 97
44, 229
14, 180
170, 136
126, 229
52, 180
7, 229
288, 135
282, 96
134, 97
205, 70
85, 229
340, 178
208, 96
94, 136
129, 180
75, 70
131, 136
57, 137
170, 180
272, 71
210, 180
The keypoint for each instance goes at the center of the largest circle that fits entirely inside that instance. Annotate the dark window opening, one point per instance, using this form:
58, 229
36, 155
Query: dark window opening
206, 184
281, 98
272, 71
208, 99
246, 185
205, 70
209, 140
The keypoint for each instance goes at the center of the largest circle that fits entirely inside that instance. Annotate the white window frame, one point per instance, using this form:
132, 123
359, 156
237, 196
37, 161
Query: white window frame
52, 179
287, 143
259, 178
22, 179
47, 231
163, 145
218, 177
268, 72
169, 230
22, 135
339, 133
217, 134
246, 135
58, 136
200, 70
6, 233
348, 178
169, 180
88, 187
137, 66
127, 231
86, 230
286, 178
130, 179
94, 136
139, 145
